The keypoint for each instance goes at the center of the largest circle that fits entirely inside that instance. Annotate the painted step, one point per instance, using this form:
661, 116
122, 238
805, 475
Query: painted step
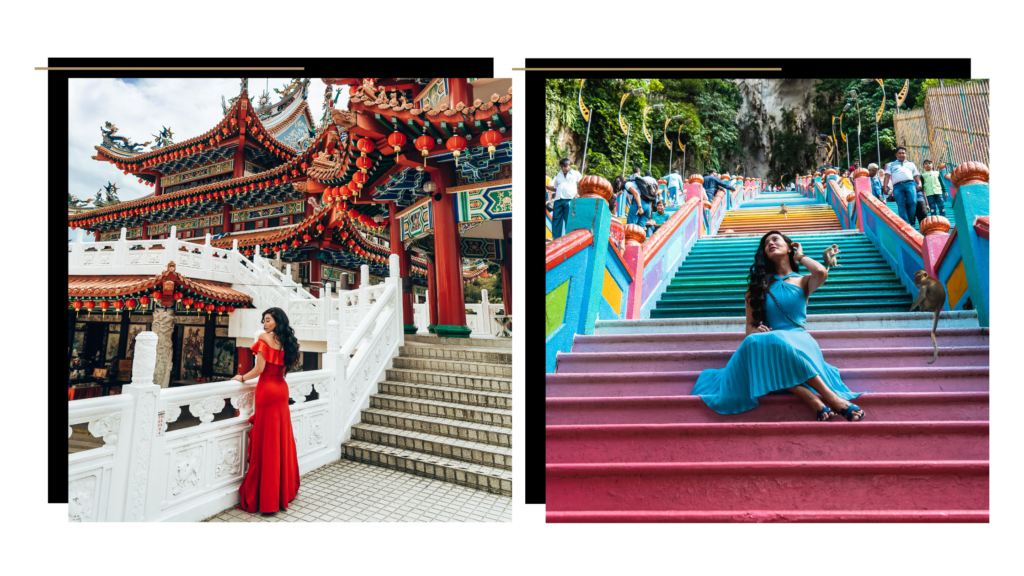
481, 369
740, 259
489, 478
767, 441
449, 428
739, 282
443, 353
876, 265
841, 358
451, 380
446, 394
439, 409
861, 321
764, 516
828, 486
812, 308
434, 445
831, 339
682, 294
680, 383
884, 407
830, 299
459, 342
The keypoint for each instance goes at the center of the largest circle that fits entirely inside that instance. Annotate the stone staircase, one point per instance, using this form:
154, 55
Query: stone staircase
627, 442
444, 411
712, 280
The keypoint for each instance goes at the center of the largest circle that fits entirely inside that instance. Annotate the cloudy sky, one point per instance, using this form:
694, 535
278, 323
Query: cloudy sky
139, 107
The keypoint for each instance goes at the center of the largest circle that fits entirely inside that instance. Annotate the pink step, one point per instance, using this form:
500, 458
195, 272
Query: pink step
768, 441
817, 516
884, 407
743, 486
680, 383
598, 362
622, 343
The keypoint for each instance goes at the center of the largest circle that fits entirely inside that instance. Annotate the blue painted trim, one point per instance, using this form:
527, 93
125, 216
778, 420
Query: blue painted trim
617, 270
945, 271
574, 270
972, 201
906, 256
671, 255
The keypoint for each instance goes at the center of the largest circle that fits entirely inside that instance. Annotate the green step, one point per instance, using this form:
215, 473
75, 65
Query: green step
833, 279
741, 289
739, 311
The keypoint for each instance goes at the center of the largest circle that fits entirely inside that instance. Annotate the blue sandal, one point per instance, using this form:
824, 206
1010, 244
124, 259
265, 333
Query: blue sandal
823, 412
849, 410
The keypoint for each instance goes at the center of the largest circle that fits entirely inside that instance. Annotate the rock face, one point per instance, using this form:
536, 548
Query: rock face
763, 101
163, 327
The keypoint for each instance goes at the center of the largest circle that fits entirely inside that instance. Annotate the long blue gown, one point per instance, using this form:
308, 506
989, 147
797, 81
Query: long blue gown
769, 361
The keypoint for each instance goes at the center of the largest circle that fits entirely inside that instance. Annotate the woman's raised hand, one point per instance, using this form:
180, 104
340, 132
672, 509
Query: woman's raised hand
798, 251
238, 377
763, 328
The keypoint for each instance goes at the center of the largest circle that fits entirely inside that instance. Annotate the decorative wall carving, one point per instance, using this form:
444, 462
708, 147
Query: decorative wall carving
206, 408
82, 499
229, 460
107, 428
163, 327
245, 403
187, 467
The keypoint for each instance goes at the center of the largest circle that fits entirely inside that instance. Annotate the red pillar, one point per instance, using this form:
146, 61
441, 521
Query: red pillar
459, 91
145, 229
506, 267
450, 297
398, 247
227, 218
314, 277
432, 292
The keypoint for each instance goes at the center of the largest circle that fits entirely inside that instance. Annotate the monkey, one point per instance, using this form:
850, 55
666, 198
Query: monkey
830, 256
930, 297
783, 211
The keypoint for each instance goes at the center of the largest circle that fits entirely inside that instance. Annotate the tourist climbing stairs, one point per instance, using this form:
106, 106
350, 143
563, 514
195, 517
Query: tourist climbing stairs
950, 214
627, 442
444, 411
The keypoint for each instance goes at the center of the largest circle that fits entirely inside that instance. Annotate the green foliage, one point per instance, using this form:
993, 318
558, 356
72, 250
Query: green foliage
791, 152
492, 285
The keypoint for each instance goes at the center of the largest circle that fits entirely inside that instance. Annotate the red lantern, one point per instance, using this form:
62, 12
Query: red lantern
248, 252
304, 166
221, 309
231, 309
158, 296
491, 139
118, 305
177, 296
143, 300
353, 213
319, 228
366, 146
351, 242
295, 243
89, 305
456, 144
187, 301
424, 144
210, 308
396, 140
306, 237
360, 178
77, 305
277, 248
364, 163
131, 303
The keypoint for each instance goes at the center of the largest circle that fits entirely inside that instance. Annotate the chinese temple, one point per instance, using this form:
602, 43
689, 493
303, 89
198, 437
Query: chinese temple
418, 168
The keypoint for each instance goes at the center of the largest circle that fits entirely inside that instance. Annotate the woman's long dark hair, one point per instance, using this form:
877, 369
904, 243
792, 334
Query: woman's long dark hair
761, 276
285, 335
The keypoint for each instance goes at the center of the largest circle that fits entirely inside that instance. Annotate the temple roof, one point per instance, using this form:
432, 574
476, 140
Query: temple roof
118, 287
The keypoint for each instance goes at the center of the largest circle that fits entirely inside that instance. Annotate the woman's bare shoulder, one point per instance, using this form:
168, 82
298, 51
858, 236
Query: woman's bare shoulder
271, 340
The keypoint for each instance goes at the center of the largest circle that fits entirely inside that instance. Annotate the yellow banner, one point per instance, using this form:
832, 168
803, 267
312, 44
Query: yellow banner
583, 107
878, 115
858, 118
880, 83
623, 125
664, 132
679, 138
841, 133
903, 93
646, 133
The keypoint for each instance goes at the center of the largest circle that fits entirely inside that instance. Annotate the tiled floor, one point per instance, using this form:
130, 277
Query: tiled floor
347, 491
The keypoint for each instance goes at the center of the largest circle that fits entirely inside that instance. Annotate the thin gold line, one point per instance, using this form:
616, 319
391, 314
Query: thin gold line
166, 68
649, 69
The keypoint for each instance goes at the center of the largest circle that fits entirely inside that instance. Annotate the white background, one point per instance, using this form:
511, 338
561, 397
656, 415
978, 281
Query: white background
38, 537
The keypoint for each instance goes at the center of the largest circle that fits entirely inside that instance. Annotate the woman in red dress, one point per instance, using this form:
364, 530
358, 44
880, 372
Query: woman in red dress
272, 480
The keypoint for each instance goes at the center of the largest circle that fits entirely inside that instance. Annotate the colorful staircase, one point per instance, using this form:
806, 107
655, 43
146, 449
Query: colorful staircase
626, 442
917, 225
712, 280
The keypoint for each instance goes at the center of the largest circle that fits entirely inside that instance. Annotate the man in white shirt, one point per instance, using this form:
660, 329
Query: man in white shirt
675, 185
906, 184
564, 186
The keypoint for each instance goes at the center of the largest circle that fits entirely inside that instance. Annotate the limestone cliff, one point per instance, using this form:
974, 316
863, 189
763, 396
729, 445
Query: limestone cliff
763, 101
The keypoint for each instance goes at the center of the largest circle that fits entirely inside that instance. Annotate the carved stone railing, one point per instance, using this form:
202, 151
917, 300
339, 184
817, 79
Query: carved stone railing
480, 317
144, 472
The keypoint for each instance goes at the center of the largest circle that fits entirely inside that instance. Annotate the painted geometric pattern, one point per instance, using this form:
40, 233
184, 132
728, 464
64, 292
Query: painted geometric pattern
403, 188
112, 236
957, 284
329, 273
467, 226
418, 221
486, 248
267, 211
554, 308
205, 171
611, 292
202, 222
433, 93
494, 203
479, 167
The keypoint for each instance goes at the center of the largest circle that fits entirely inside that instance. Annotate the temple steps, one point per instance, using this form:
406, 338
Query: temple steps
444, 411
765, 516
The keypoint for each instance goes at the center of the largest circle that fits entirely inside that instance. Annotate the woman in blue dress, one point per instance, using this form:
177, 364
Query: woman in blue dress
777, 353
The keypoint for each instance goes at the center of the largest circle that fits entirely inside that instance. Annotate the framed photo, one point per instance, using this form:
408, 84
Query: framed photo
192, 352
113, 339
78, 345
224, 354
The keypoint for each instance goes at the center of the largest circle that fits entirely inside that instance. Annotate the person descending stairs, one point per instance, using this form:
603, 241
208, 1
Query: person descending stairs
627, 442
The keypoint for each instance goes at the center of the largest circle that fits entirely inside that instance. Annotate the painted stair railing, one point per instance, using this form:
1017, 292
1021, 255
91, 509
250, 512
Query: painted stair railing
144, 472
626, 442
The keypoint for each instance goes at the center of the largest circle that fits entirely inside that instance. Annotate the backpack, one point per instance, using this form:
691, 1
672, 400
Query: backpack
647, 192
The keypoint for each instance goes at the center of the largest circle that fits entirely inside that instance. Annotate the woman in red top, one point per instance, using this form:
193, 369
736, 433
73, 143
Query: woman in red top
272, 480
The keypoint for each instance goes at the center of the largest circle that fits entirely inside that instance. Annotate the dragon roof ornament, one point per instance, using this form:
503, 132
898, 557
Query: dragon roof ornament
117, 143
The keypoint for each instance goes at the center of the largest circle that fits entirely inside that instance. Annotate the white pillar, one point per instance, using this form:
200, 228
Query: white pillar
146, 396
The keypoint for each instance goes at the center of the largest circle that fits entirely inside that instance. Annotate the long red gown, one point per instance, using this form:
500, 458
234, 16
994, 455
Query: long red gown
272, 480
